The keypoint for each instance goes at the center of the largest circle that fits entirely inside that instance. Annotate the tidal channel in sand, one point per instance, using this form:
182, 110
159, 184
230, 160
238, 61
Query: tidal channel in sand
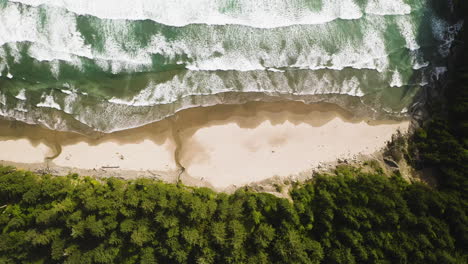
217, 146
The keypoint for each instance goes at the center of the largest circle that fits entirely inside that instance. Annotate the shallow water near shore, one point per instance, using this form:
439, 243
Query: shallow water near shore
217, 146
100, 66
212, 92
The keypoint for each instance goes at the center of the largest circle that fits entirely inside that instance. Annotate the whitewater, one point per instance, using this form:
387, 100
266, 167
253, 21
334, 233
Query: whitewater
84, 65
261, 13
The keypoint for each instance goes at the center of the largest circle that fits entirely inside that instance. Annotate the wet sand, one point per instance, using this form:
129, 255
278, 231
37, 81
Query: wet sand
217, 146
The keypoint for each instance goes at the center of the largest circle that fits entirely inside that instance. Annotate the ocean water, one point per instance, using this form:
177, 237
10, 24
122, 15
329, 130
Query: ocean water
107, 65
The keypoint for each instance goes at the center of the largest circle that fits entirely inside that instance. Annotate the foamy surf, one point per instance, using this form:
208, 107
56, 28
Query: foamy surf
86, 65
260, 14
60, 41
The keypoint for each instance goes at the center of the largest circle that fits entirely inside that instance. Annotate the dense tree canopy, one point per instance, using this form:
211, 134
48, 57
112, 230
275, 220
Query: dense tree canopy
353, 217
350, 217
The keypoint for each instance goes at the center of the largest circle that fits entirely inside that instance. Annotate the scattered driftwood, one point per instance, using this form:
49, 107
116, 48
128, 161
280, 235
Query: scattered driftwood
155, 175
110, 167
46, 171
391, 163
342, 161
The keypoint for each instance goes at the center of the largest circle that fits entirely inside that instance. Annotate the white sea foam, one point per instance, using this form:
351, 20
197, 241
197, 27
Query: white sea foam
274, 70
21, 95
246, 59
445, 33
258, 81
56, 39
3, 62
408, 31
66, 91
417, 59
388, 7
3, 99
418, 62
424, 80
48, 101
58, 42
260, 13
439, 71
396, 79
115, 100
69, 102
352, 87
370, 54
417, 65
21, 106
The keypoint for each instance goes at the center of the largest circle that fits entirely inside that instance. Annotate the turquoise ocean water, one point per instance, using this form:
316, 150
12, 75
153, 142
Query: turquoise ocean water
107, 65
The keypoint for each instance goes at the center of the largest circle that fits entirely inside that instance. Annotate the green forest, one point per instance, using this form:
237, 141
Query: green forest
352, 217
348, 216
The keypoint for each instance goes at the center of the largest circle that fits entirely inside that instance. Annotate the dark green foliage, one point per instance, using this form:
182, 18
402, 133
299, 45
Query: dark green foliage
70, 219
442, 146
442, 143
353, 217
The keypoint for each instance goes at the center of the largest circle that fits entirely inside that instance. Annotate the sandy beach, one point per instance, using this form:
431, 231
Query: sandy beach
218, 146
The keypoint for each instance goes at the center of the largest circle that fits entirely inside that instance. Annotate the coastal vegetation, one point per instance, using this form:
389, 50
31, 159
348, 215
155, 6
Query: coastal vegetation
347, 216
350, 217
353, 217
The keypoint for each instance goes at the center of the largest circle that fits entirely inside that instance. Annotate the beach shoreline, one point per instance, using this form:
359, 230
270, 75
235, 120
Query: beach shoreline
220, 147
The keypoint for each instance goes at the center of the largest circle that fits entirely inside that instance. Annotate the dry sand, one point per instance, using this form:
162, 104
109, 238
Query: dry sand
145, 155
21, 150
227, 154
216, 146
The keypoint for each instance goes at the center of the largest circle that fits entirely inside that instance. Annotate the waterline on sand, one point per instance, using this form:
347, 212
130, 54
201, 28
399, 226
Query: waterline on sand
218, 146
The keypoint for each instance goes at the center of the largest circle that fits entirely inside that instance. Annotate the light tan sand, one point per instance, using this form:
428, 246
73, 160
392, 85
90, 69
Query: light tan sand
219, 146
227, 154
23, 151
145, 155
